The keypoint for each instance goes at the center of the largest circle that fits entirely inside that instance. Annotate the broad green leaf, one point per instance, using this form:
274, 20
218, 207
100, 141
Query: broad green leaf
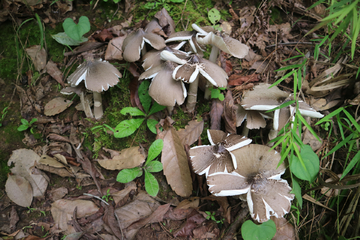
144, 96
154, 150
24, 121
64, 39
306, 167
215, 93
154, 166
151, 184
22, 128
33, 120
76, 31
133, 111
252, 231
127, 127
127, 175
156, 108
214, 15
296, 189
151, 123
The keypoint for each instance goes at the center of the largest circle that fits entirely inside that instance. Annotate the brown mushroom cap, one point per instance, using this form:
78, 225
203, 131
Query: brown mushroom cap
97, 75
254, 120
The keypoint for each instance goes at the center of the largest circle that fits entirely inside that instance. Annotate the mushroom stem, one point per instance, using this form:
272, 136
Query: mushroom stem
86, 105
192, 95
213, 57
245, 131
98, 108
170, 109
143, 50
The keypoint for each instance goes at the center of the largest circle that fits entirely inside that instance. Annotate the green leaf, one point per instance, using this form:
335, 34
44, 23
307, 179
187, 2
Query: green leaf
214, 15
151, 123
133, 111
22, 128
151, 184
156, 108
144, 96
306, 167
264, 231
127, 127
154, 150
215, 92
154, 166
24, 122
64, 39
127, 175
176, 1
33, 120
296, 189
351, 165
76, 31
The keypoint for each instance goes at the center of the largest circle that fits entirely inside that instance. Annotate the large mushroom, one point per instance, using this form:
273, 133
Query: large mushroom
98, 76
257, 176
217, 157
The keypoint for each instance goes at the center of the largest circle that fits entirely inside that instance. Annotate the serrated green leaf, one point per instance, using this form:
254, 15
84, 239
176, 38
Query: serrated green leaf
144, 96
64, 39
151, 123
151, 184
76, 31
127, 175
264, 231
154, 150
133, 111
127, 127
156, 108
306, 167
154, 166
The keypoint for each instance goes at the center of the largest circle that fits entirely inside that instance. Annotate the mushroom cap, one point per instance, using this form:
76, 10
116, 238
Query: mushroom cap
97, 75
151, 59
185, 36
165, 21
258, 175
213, 73
164, 90
254, 120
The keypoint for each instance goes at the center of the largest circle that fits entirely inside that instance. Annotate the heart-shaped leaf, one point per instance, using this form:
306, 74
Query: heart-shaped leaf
76, 31
307, 167
64, 39
251, 231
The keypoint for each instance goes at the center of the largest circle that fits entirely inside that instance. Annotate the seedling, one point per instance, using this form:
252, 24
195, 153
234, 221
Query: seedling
211, 216
3, 115
214, 17
151, 165
73, 34
25, 125
107, 196
128, 127
216, 93
161, 3
30, 210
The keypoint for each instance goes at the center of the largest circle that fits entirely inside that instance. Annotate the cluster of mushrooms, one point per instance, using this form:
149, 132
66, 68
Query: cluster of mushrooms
231, 164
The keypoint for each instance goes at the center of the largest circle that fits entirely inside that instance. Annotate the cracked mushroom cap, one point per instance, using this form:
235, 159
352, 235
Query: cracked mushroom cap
153, 58
258, 176
222, 41
254, 119
217, 157
97, 75
189, 36
135, 41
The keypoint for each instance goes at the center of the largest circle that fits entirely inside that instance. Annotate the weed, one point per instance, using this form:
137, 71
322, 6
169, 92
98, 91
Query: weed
3, 115
216, 93
73, 34
107, 196
214, 17
151, 165
26, 125
211, 216
30, 210
250, 230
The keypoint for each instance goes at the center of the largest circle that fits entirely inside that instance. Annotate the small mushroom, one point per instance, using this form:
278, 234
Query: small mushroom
254, 119
84, 103
258, 175
98, 76
153, 58
189, 36
217, 157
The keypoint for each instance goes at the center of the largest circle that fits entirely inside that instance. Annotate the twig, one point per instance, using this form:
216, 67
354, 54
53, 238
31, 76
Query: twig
236, 224
94, 196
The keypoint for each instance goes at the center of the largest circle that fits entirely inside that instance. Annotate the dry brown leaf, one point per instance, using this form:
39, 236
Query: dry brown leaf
19, 190
54, 72
114, 49
311, 199
120, 195
24, 160
38, 56
58, 193
229, 114
56, 106
284, 229
217, 109
175, 163
62, 211
309, 138
127, 158
14, 218
191, 133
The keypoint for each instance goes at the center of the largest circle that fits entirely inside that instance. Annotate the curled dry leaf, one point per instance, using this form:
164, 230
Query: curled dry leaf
54, 72
127, 158
38, 56
284, 229
56, 106
114, 49
191, 133
24, 160
19, 190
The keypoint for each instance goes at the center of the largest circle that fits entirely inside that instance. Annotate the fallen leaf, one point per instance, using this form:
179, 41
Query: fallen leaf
191, 133
14, 218
156, 216
56, 106
217, 109
103, 36
191, 223
229, 114
110, 220
310, 139
209, 230
127, 158
53, 70
175, 163
19, 190
284, 229
120, 195
24, 160
58, 193
236, 80
114, 49
38, 56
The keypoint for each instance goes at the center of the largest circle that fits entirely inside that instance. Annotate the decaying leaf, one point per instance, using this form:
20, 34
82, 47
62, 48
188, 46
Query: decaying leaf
58, 193
38, 56
54, 72
114, 49
19, 190
56, 106
284, 229
175, 162
50, 164
229, 114
62, 211
24, 160
127, 158
120, 195
14, 218
191, 133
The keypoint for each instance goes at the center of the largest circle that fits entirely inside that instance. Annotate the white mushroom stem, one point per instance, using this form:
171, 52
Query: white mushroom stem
192, 95
143, 50
170, 109
213, 57
98, 108
86, 105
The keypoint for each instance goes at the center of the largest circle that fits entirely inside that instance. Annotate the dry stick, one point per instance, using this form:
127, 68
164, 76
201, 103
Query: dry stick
236, 224
350, 212
192, 95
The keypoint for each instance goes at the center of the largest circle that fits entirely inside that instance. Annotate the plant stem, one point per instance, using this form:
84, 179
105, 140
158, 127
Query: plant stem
86, 106
192, 95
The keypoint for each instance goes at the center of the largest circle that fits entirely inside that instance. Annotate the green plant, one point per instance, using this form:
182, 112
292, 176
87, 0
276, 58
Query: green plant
3, 115
214, 17
250, 230
25, 125
161, 3
127, 127
150, 166
107, 196
211, 216
73, 34
216, 93
30, 210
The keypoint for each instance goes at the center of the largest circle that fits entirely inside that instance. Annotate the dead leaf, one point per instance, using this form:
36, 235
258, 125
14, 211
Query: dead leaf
58, 193
191, 223
217, 109
103, 35
156, 216
309, 138
53, 70
209, 230
110, 220
191, 133
56, 106
284, 229
14, 218
236, 80
120, 195
114, 49
127, 158
229, 114
19, 190
24, 160
175, 163
58, 138
38, 56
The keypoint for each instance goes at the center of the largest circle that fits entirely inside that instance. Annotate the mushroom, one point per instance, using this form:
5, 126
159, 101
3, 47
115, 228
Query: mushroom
258, 175
153, 59
98, 76
254, 119
184, 36
84, 102
134, 43
218, 156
